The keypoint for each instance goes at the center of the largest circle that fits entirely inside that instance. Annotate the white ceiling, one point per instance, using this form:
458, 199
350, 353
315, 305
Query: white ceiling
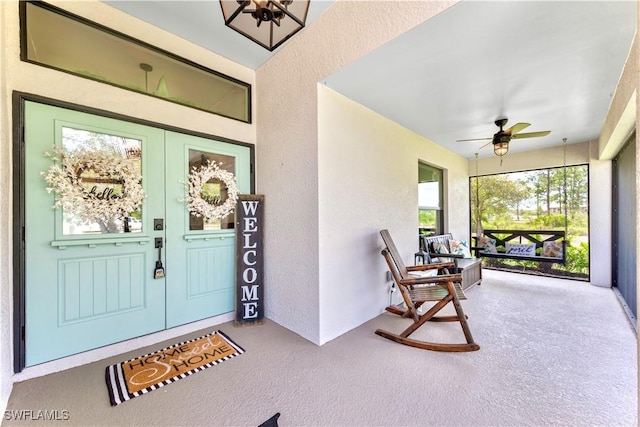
554, 64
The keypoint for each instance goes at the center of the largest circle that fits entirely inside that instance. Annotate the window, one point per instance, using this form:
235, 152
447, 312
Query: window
214, 191
92, 156
57, 39
430, 200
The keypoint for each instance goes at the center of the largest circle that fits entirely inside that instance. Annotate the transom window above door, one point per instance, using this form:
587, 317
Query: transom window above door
55, 38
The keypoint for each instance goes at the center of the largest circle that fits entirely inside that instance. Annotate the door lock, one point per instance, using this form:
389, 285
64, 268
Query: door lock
158, 224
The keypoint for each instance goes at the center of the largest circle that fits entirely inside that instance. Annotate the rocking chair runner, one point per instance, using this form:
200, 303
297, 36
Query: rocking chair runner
416, 289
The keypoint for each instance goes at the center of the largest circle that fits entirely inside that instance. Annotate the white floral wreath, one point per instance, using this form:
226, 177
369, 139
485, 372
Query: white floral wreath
200, 207
88, 205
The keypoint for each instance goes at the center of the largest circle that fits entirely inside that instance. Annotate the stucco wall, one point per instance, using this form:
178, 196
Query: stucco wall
20, 76
5, 216
368, 180
621, 117
600, 218
637, 116
576, 154
287, 155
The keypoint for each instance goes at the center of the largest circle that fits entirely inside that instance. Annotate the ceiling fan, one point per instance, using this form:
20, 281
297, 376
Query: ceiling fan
500, 139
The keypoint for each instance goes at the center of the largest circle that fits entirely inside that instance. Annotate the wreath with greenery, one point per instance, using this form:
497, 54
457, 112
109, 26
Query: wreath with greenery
84, 201
201, 206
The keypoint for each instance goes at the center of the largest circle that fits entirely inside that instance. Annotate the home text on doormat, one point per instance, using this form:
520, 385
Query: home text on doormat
138, 376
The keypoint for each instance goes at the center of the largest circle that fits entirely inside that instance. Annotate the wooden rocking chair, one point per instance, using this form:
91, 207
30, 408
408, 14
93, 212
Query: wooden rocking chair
417, 288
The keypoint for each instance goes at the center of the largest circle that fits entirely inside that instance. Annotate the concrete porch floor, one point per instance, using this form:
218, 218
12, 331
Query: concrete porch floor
553, 352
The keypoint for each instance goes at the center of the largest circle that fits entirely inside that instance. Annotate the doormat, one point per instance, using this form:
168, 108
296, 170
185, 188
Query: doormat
138, 376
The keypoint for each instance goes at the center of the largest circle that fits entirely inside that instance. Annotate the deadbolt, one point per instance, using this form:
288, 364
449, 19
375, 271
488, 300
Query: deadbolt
158, 224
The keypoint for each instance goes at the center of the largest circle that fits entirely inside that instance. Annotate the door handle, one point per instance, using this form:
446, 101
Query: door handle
158, 271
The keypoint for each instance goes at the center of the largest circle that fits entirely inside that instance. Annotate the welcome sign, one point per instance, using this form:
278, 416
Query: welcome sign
249, 259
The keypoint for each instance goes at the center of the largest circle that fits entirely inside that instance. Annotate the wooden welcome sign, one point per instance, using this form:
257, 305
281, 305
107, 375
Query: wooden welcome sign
249, 259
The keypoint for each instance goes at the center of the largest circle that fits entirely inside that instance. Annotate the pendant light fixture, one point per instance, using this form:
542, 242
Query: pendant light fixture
267, 22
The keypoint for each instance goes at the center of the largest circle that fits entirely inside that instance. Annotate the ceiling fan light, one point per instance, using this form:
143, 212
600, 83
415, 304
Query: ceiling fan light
501, 148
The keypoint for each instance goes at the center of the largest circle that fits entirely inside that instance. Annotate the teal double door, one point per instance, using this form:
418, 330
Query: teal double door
91, 282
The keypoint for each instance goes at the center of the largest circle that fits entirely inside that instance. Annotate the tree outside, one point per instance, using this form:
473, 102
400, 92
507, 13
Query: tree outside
553, 199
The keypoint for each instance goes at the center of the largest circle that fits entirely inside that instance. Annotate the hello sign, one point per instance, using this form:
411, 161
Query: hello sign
249, 259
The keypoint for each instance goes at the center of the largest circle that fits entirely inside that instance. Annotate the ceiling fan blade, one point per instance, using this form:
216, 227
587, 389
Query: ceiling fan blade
531, 134
473, 139
517, 128
488, 143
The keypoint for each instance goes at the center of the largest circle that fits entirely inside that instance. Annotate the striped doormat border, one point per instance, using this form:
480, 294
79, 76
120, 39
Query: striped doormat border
140, 375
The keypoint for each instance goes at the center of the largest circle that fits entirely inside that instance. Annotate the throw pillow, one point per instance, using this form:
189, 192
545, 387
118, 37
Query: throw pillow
424, 273
552, 249
521, 249
460, 247
488, 244
440, 248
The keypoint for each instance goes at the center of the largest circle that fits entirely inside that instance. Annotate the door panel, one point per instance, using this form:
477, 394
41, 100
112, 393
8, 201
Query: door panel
91, 283
200, 253
85, 288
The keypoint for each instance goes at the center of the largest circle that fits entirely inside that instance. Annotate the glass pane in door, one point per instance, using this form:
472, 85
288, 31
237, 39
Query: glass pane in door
214, 191
108, 168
